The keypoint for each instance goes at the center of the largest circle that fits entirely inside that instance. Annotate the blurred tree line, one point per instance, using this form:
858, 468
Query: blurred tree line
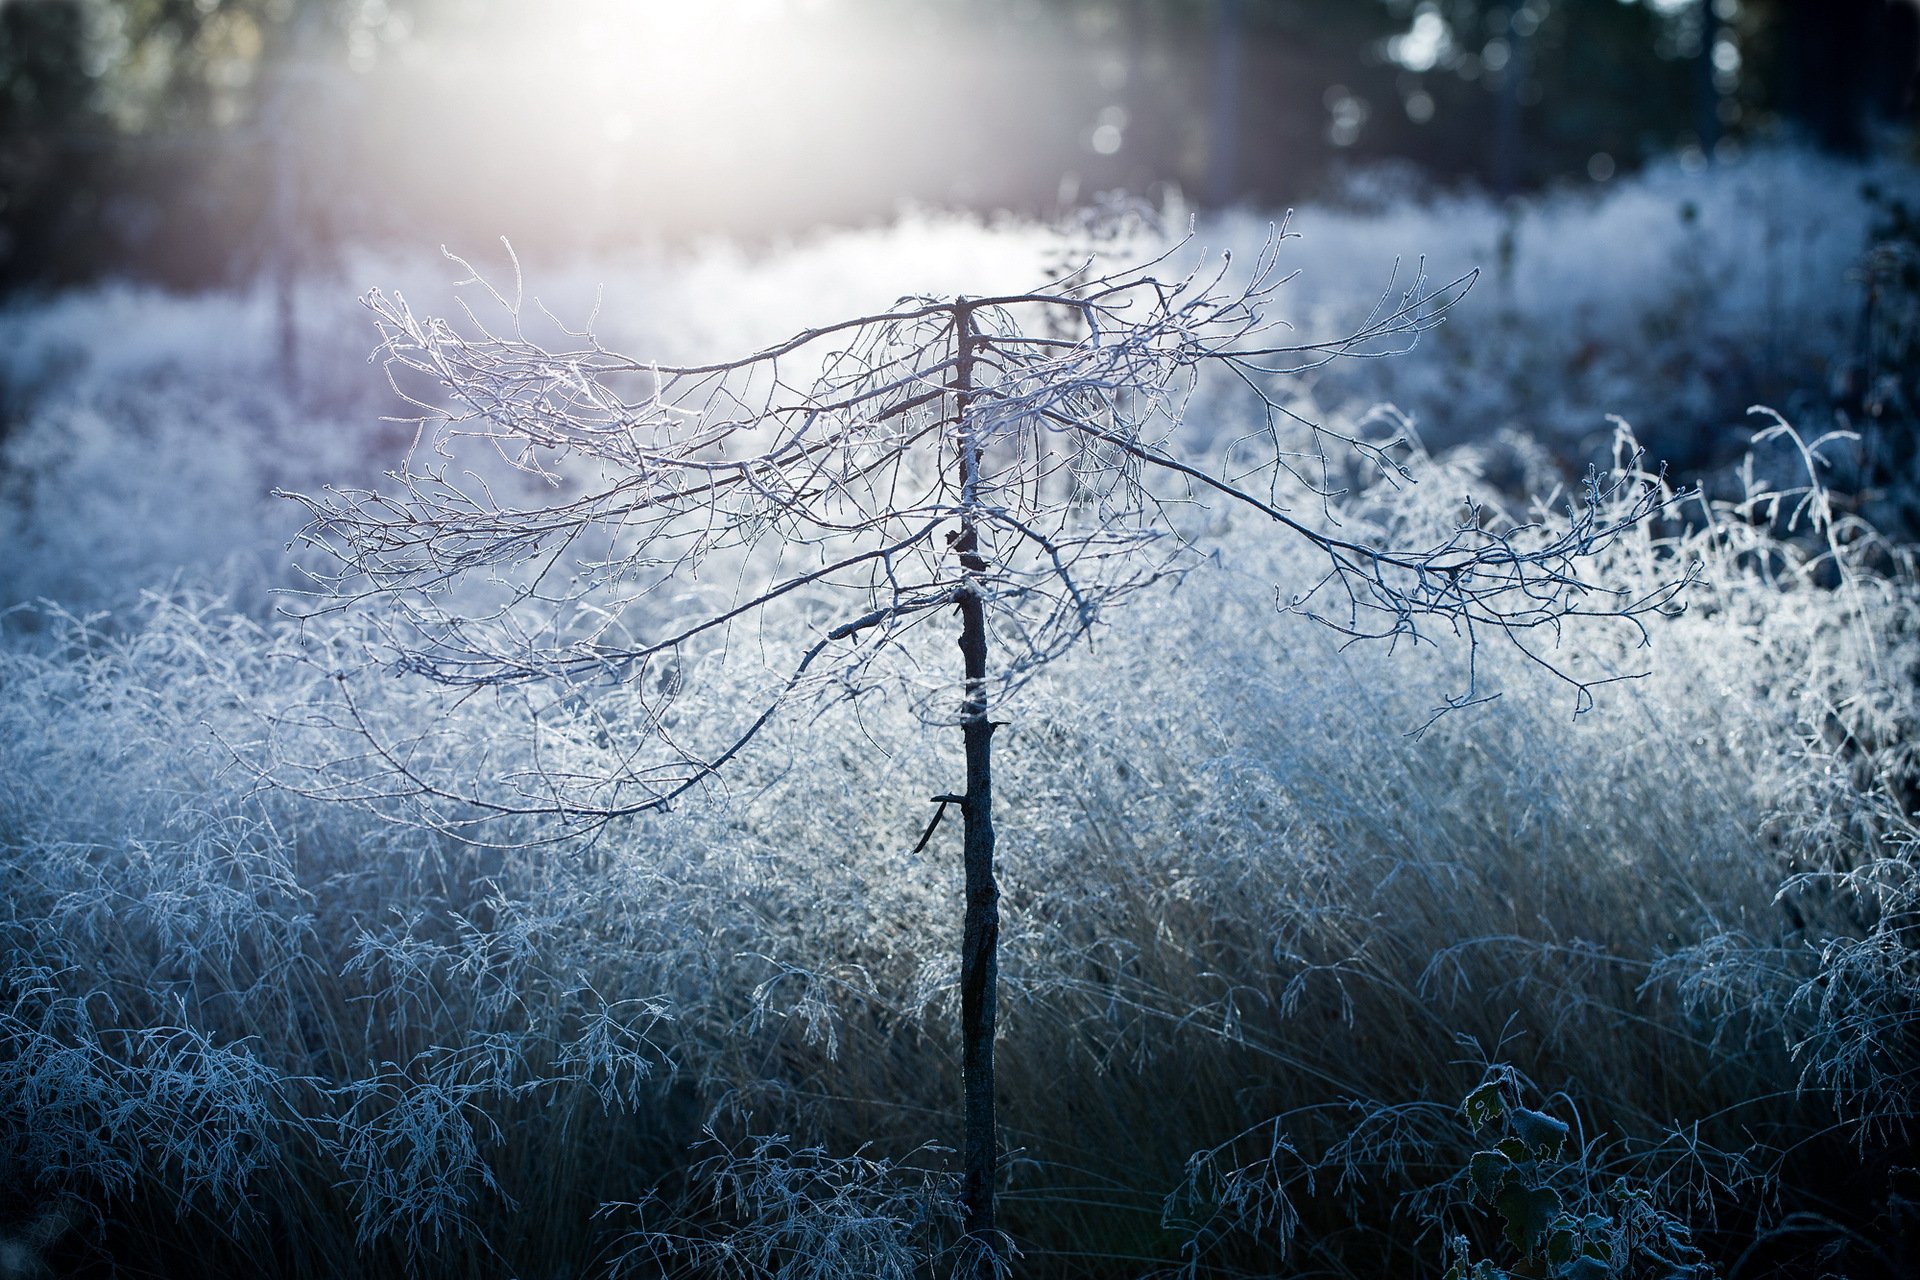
193, 141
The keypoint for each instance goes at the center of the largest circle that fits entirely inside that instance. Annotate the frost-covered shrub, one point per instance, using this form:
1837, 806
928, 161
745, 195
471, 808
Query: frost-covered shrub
1675, 299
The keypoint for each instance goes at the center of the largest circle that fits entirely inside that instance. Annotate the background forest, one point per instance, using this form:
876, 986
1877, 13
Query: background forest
1289, 984
197, 142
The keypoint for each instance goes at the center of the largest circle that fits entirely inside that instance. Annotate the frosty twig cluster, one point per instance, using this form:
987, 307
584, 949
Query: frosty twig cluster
839, 473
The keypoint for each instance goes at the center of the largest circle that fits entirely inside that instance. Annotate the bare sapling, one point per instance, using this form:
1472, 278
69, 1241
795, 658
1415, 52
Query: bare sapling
851, 483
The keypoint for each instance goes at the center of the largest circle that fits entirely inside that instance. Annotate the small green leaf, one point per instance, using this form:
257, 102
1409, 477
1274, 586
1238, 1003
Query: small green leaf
1584, 1268
1600, 1249
1484, 1105
1560, 1245
1528, 1212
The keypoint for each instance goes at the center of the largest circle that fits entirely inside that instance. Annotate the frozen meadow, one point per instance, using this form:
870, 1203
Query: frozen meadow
1259, 941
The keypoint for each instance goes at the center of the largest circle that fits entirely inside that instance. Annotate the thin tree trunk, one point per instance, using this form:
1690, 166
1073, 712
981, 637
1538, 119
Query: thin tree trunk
979, 944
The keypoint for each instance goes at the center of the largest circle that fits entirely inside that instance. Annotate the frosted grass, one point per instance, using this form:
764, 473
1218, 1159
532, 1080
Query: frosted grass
1258, 940
1227, 866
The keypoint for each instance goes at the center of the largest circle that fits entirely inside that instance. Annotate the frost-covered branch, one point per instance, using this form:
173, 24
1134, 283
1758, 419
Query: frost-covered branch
628, 522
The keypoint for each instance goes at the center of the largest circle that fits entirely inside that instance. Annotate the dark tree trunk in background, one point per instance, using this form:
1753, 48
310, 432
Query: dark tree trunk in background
1506, 124
292, 100
1223, 138
1706, 89
979, 945
283, 243
1900, 57
1831, 67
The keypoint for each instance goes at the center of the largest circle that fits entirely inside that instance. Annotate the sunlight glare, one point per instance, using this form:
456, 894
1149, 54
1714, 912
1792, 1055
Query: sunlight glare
679, 100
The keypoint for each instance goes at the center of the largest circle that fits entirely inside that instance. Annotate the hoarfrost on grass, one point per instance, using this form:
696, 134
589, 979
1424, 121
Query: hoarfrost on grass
1238, 896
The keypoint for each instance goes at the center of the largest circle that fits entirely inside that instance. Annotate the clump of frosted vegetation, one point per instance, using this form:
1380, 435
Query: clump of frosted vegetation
1247, 916
1258, 940
798, 1214
1675, 299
